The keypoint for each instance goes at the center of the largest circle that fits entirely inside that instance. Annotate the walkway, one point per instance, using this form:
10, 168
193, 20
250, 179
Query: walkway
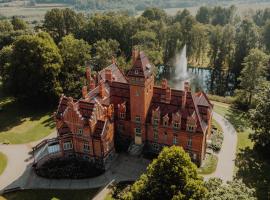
19, 172
227, 154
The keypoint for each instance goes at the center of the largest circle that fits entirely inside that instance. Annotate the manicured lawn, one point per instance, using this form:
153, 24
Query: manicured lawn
209, 166
41, 194
21, 123
3, 162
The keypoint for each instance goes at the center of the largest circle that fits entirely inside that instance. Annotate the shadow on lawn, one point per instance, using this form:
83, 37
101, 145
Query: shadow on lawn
254, 171
14, 113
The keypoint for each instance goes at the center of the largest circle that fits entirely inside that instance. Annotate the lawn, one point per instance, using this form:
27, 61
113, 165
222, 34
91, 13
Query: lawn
21, 123
250, 167
42, 194
3, 162
209, 166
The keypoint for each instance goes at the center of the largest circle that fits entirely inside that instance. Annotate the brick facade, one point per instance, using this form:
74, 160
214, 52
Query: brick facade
131, 108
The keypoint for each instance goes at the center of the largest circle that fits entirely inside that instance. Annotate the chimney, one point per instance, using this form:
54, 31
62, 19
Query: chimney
92, 84
186, 87
108, 75
164, 84
84, 92
168, 95
88, 74
102, 89
135, 54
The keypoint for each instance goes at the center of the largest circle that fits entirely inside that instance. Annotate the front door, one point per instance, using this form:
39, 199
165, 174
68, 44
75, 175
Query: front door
138, 136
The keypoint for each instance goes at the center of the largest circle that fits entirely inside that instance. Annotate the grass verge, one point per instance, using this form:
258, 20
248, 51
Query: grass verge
209, 166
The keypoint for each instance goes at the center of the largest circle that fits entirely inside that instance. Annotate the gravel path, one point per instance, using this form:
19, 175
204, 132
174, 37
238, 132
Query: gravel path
226, 156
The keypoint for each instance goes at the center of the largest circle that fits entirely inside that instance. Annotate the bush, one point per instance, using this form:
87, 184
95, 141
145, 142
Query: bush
216, 141
226, 99
73, 168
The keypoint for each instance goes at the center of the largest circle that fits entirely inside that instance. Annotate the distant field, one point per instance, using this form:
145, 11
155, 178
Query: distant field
21, 8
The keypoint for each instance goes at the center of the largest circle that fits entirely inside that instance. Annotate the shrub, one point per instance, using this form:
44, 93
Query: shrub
216, 141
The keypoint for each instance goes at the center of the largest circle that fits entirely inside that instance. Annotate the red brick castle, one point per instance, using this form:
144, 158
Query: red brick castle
129, 109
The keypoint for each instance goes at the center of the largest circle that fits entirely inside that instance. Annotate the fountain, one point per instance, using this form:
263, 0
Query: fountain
181, 74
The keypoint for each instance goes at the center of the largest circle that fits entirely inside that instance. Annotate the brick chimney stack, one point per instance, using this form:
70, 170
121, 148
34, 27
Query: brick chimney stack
108, 75
164, 84
186, 87
102, 89
168, 95
135, 54
92, 84
84, 92
88, 74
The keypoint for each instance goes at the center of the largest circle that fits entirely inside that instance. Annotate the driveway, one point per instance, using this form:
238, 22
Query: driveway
227, 154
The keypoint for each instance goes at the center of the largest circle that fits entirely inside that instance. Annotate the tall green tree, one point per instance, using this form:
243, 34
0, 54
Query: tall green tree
236, 189
247, 38
155, 14
32, 73
204, 15
61, 22
253, 73
5, 26
259, 120
18, 24
266, 35
75, 54
171, 176
104, 51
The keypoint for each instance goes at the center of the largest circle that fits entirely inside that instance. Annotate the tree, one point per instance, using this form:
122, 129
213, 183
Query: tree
253, 72
266, 35
104, 51
259, 120
18, 24
246, 39
5, 26
75, 53
61, 22
232, 190
34, 68
171, 176
204, 15
155, 14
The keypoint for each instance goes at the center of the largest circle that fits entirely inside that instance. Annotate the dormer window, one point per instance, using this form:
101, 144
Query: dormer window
136, 71
190, 128
176, 125
122, 115
80, 131
166, 120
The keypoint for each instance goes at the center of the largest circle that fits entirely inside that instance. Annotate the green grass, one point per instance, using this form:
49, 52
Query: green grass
216, 125
209, 166
3, 162
22, 124
42, 194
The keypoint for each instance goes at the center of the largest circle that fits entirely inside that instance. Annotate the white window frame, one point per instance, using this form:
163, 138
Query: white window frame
189, 143
176, 125
155, 135
67, 145
138, 119
138, 131
86, 144
122, 115
175, 139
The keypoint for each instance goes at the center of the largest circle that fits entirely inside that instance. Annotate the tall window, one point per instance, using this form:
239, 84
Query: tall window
165, 136
138, 132
156, 136
155, 121
86, 147
67, 145
175, 140
138, 119
189, 142
122, 115
80, 131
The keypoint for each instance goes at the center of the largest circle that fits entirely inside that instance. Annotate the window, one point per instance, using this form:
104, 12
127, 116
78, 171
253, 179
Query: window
122, 115
155, 121
138, 119
136, 71
155, 136
190, 128
189, 142
80, 131
176, 125
165, 136
86, 147
194, 156
175, 140
67, 145
138, 132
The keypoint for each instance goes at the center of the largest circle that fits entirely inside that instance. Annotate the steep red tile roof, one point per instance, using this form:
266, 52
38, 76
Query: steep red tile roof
118, 75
